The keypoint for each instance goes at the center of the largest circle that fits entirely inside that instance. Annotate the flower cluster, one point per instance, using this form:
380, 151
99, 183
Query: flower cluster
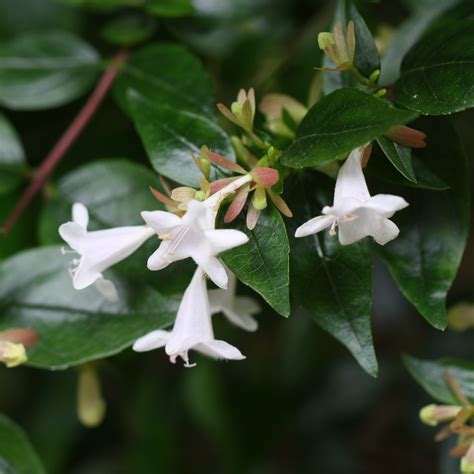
188, 228
191, 233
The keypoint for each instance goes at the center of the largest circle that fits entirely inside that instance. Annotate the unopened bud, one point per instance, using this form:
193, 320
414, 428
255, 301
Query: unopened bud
467, 462
12, 354
90, 404
434, 414
461, 316
374, 77
259, 199
380, 93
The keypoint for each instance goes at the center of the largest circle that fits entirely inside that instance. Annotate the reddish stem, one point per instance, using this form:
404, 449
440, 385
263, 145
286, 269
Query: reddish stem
67, 139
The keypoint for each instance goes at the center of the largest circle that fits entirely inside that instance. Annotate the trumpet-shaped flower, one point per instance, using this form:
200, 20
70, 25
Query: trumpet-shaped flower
99, 249
193, 235
192, 328
354, 211
239, 310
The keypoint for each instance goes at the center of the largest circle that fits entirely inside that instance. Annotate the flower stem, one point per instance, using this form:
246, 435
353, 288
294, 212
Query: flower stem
67, 139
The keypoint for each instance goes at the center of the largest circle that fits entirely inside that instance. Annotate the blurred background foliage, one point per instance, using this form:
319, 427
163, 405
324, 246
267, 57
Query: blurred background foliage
299, 403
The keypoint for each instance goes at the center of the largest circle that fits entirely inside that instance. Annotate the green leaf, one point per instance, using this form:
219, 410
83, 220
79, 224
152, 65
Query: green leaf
366, 55
12, 157
128, 30
172, 136
263, 263
330, 283
381, 169
170, 8
115, 191
102, 5
74, 326
438, 72
408, 33
399, 156
426, 255
431, 375
340, 122
17, 456
45, 69
167, 74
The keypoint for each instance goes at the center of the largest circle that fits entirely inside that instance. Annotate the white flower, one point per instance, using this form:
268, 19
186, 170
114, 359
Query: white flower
355, 212
194, 235
237, 309
192, 328
99, 249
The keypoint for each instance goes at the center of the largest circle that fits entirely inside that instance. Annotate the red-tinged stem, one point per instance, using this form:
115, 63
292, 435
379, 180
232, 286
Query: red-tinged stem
67, 139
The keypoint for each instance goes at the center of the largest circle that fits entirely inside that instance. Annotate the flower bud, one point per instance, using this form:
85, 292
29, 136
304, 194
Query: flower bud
12, 354
461, 316
259, 199
242, 112
339, 46
90, 404
433, 414
467, 462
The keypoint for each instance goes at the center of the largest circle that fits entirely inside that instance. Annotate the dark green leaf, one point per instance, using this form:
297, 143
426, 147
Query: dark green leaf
172, 135
102, 5
431, 375
167, 74
340, 122
17, 456
74, 326
408, 33
366, 55
12, 157
381, 169
263, 263
45, 69
128, 30
399, 156
170, 8
438, 72
426, 255
330, 283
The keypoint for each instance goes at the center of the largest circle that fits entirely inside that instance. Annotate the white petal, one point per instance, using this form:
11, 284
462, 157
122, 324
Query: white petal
193, 321
244, 304
160, 258
225, 239
199, 215
314, 225
241, 319
73, 233
80, 215
386, 204
152, 340
107, 289
350, 182
219, 350
214, 268
160, 221
368, 223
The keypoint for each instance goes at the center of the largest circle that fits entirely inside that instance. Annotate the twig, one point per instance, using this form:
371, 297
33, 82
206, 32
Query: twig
66, 140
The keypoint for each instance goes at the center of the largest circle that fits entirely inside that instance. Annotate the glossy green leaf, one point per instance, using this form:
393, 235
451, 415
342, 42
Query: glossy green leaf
399, 156
17, 455
438, 72
263, 263
128, 30
425, 257
45, 69
366, 55
408, 33
340, 122
380, 168
12, 156
167, 74
74, 326
330, 283
172, 136
115, 191
431, 375
170, 8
